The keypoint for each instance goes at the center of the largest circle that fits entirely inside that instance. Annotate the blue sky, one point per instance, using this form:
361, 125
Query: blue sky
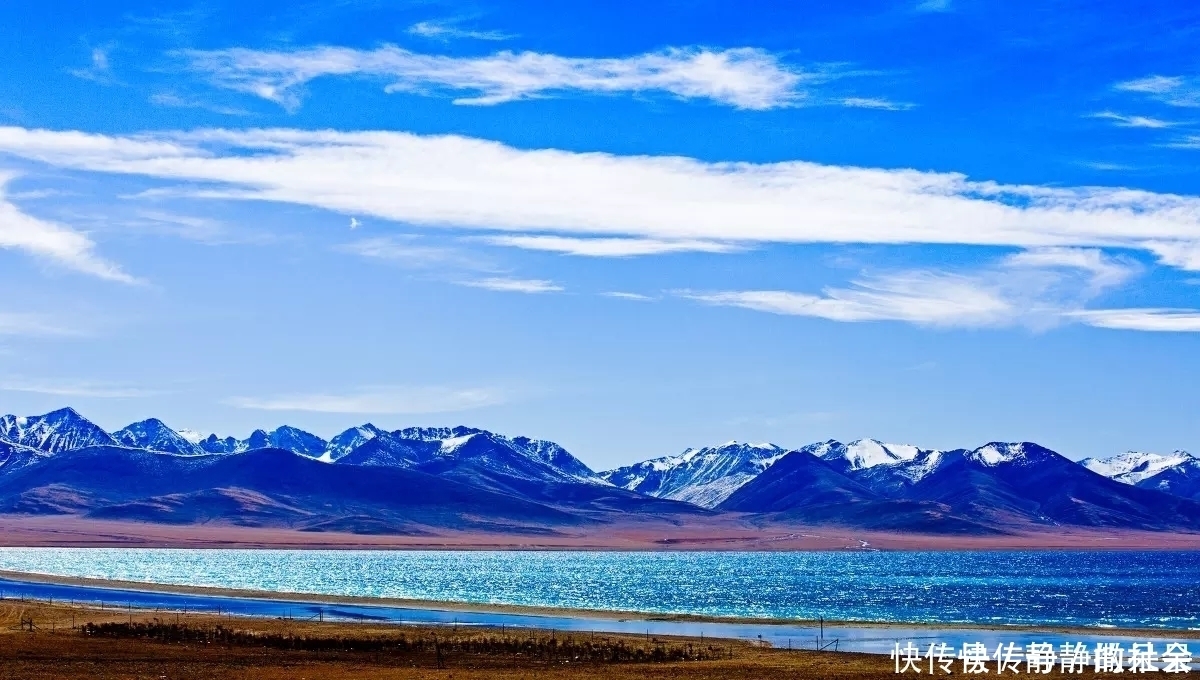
627, 227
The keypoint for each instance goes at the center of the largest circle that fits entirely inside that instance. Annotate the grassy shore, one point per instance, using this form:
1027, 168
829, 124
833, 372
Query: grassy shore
58, 647
40, 640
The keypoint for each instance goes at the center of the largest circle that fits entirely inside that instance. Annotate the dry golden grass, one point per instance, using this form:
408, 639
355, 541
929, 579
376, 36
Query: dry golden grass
54, 649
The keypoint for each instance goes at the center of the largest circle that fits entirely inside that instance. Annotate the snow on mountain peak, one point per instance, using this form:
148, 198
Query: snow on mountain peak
154, 435
867, 453
993, 454
54, 432
1132, 467
451, 444
343, 443
190, 435
704, 476
862, 454
999, 453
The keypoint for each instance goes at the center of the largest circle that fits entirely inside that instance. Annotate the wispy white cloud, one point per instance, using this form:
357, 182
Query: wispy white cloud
1102, 271
1182, 91
1121, 120
411, 251
1186, 142
622, 295
923, 298
611, 247
876, 103
36, 325
1037, 289
1182, 254
1147, 319
934, 6
745, 78
1105, 166
88, 390
506, 285
395, 400
176, 101
451, 30
476, 184
98, 70
51, 241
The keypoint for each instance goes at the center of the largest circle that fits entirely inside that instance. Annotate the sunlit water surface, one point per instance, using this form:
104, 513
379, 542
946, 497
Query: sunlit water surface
1125, 589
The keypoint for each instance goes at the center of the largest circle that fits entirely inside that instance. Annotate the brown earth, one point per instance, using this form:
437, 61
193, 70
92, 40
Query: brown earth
719, 533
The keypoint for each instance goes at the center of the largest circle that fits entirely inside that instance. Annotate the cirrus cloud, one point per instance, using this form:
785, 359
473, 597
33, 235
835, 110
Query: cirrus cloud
507, 285
51, 241
1037, 289
1143, 319
610, 247
34, 325
1181, 91
474, 184
391, 400
745, 78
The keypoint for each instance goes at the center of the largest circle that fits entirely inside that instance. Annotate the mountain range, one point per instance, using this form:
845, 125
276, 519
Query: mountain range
1177, 473
422, 479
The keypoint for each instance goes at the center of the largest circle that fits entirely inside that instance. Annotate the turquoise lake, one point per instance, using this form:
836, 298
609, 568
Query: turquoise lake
1124, 589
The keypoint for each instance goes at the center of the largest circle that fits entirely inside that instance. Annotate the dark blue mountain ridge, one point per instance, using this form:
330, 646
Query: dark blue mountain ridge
62, 463
154, 435
60, 430
284, 437
1180, 480
15, 456
996, 485
213, 444
532, 469
514, 482
802, 487
343, 443
263, 487
65, 430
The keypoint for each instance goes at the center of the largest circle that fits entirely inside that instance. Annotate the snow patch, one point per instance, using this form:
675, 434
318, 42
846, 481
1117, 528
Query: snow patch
191, 436
1133, 467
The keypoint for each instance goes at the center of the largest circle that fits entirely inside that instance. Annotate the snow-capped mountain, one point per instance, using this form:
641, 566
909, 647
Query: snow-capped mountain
556, 457
467, 451
154, 435
883, 468
705, 476
1132, 467
190, 435
995, 485
1181, 480
289, 477
214, 444
345, 442
298, 441
1177, 473
54, 432
286, 437
385, 482
862, 454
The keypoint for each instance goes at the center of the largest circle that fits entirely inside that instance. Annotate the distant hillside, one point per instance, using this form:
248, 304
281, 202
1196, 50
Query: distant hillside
421, 480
